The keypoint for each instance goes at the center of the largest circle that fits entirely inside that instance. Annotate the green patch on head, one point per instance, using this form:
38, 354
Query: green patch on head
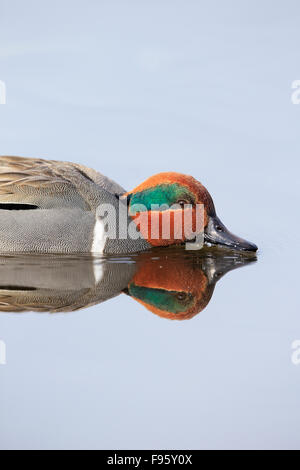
168, 301
161, 194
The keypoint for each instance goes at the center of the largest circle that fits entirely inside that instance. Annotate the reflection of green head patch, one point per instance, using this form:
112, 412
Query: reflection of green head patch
162, 194
169, 301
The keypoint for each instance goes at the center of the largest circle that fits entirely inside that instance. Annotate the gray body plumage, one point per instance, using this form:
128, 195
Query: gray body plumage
67, 196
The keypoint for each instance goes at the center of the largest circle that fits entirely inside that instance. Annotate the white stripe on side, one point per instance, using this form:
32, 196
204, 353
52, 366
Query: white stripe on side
99, 238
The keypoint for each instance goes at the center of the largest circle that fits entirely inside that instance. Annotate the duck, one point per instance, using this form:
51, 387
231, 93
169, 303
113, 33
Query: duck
171, 283
49, 206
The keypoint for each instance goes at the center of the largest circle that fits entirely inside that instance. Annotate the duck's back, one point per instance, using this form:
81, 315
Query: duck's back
50, 206
25, 178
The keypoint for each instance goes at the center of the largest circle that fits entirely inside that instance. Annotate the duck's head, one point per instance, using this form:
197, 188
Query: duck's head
170, 189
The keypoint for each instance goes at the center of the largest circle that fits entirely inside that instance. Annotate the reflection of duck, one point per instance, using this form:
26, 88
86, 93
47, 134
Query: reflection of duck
170, 283
53, 207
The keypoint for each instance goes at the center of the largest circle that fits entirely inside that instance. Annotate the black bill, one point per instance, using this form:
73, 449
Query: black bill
216, 233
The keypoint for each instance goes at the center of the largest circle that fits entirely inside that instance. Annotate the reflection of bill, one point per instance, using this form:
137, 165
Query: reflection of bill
2, 92
296, 354
2, 353
171, 283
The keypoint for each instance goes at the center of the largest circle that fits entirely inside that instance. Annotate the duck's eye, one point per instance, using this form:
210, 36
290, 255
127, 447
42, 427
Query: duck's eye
219, 228
182, 202
181, 296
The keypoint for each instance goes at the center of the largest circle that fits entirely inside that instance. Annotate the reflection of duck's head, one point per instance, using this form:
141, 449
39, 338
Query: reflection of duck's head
180, 286
174, 191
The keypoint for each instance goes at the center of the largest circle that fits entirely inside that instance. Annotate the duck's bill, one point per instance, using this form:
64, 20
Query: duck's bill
218, 234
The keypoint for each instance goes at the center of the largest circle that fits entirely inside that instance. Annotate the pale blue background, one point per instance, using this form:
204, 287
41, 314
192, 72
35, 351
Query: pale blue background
133, 88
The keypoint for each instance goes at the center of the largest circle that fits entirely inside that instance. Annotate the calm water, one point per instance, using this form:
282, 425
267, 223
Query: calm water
203, 89
184, 347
